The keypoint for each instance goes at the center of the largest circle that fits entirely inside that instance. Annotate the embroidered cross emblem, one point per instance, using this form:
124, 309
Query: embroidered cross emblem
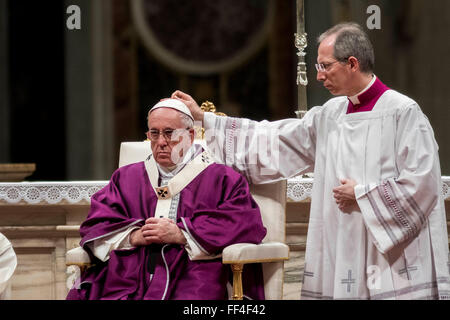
349, 281
407, 270
163, 192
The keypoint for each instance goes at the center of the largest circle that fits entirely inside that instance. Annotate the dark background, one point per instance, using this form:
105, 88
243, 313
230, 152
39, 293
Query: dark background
69, 97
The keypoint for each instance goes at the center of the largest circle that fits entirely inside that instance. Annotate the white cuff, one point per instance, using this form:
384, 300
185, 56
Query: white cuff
362, 190
194, 251
102, 247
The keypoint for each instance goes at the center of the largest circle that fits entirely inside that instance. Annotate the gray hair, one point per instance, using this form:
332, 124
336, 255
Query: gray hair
351, 40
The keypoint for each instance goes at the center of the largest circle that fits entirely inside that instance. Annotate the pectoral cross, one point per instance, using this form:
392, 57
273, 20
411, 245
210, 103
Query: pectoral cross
163, 192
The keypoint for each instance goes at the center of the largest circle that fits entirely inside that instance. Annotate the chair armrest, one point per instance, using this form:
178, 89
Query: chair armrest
78, 257
242, 253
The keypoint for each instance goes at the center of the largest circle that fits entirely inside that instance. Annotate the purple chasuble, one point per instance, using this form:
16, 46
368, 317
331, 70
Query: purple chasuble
368, 98
216, 209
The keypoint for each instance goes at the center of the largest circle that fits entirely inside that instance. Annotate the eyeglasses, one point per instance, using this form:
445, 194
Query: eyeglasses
325, 67
154, 134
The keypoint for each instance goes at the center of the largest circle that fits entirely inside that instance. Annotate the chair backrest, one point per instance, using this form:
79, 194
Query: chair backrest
271, 199
132, 152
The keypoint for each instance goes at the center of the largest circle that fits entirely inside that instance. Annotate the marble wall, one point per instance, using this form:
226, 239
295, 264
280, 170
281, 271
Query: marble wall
41, 235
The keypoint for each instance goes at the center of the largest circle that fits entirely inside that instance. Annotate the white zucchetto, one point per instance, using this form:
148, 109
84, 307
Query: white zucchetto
173, 104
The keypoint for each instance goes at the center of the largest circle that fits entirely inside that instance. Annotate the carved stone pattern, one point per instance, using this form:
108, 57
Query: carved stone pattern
298, 189
49, 192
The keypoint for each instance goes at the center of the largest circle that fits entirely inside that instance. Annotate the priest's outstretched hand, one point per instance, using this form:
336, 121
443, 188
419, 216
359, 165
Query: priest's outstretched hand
157, 230
197, 113
345, 194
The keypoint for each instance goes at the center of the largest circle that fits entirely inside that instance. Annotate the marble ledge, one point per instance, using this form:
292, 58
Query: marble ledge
299, 189
40, 231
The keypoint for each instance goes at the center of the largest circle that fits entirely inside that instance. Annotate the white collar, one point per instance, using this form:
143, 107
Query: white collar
354, 99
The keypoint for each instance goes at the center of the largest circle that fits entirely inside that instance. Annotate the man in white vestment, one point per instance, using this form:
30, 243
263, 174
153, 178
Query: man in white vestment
377, 227
8, 264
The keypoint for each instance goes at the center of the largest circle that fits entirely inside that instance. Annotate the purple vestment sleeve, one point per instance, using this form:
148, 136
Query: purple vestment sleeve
110, 209
235, 219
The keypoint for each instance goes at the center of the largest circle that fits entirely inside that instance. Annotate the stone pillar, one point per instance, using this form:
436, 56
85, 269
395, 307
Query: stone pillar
79, 105
4, 87
128, 118
89, 93
282, 58
104, 152
318, 19
426, 73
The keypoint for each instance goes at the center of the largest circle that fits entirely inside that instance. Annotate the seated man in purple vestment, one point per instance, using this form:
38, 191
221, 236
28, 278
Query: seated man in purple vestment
157, 230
